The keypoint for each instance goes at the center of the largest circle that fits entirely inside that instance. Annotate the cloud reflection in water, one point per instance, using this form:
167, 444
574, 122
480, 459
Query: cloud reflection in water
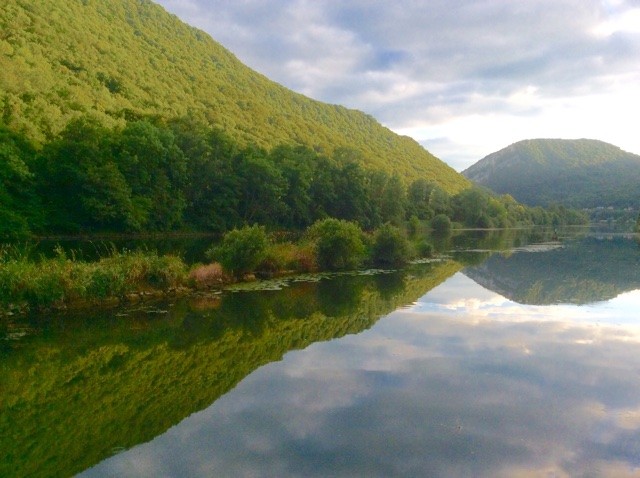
462, 383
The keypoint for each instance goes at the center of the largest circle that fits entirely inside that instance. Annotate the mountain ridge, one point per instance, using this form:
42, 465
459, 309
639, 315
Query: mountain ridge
583, 173
130, 58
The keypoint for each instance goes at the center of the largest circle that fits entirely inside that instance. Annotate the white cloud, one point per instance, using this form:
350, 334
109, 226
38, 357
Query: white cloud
465, 78
625, 21
462, 297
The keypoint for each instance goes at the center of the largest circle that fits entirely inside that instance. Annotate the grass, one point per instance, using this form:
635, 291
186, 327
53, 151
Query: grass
60, 281
28, 283
207, 276
287, 256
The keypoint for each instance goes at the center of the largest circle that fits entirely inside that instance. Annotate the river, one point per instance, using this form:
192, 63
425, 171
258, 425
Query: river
507, 356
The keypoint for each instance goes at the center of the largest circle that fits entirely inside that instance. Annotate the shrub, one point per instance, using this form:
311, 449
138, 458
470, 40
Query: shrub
441, 224
390, 247
241, 250
338, 244
414, 226
484, 221
425, 249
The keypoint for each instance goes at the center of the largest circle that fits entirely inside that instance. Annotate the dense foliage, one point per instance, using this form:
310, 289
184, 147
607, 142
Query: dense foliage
242, 250
575, 173
391, 248
441, 224
117, 117
123, 60
17, 198
157, 176
338, 244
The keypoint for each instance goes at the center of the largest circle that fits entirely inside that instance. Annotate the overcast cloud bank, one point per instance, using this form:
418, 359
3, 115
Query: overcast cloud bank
464, 78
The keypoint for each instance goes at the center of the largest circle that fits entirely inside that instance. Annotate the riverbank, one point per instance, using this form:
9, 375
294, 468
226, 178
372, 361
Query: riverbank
33, 282
64, 281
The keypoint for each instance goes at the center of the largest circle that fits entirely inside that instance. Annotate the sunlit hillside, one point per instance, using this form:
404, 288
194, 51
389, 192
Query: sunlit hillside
122, 59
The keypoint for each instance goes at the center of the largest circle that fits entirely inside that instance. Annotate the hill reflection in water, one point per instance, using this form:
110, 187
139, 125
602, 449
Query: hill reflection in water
462, 383
582, 271
76, 390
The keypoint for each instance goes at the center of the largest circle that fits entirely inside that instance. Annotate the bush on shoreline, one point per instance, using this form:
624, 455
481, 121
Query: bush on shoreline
390, 247
241, 250
338, 244
330, 244
441, 224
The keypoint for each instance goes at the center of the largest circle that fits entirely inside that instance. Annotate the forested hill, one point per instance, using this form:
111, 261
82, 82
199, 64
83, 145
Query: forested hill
576, 173
126, 59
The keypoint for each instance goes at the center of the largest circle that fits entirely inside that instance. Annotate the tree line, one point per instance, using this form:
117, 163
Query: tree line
151, 175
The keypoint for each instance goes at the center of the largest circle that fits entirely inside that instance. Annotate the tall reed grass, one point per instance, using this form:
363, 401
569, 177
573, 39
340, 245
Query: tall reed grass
58, 281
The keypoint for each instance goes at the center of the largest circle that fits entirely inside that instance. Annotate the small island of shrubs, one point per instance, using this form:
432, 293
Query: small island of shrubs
328, 245
242, 254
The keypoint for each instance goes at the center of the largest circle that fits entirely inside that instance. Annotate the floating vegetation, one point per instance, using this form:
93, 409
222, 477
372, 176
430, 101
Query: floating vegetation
156, 311
281, 282
264, 285
150, 309
545, 247
429, 260
372, 272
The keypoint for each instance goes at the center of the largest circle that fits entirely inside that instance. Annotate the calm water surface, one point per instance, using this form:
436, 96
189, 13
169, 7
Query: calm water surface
524, 362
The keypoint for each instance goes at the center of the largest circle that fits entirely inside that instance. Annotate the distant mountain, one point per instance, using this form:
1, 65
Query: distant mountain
124, 59
576, 173
589, 270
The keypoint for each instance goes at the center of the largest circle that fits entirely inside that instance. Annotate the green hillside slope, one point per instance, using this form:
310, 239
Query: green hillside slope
577, 173
122, 59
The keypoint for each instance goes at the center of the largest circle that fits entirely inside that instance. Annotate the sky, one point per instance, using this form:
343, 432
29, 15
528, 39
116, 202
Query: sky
465, 78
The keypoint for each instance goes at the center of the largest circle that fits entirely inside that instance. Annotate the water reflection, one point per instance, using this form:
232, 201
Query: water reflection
461, 379
76, 390
438, 389
580, 271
